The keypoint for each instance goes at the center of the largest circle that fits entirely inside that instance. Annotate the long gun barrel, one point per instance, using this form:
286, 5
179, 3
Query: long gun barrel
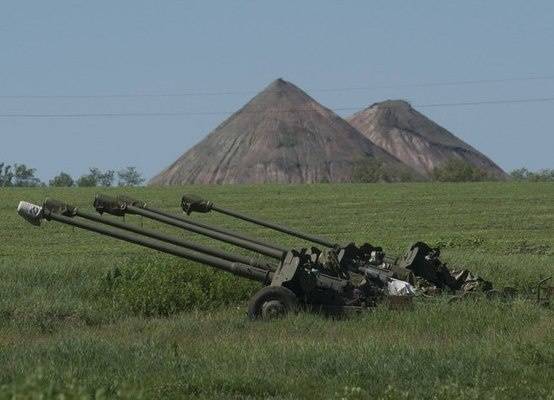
192, 203
122, 205
34, 214
70, 211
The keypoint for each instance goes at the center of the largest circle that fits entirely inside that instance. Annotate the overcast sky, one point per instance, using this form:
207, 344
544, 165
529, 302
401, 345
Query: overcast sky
90, 53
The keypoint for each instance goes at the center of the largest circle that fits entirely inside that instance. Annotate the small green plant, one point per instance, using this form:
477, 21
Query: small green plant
370, 171
471, 242
455, 170
524, 247
542, 175
160, 286
287, 140
62, 180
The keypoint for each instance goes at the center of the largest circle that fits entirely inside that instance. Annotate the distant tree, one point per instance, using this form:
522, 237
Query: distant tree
24, 176
87, 180
542, 175
455, 170
129, 177
403, 174
106, 178
62, 180
369, 171
520, 174
96, 177
6, 175
18, 175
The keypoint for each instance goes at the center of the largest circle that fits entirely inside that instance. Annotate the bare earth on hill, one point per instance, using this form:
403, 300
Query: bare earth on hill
416, 140
281, 136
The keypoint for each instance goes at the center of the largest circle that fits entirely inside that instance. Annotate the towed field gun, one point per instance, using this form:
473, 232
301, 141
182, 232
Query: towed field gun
332, 279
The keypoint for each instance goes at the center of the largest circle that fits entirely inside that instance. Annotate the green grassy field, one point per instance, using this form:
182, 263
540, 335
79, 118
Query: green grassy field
83, 316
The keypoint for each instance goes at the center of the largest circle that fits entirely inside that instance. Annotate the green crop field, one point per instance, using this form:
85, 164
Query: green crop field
84, 316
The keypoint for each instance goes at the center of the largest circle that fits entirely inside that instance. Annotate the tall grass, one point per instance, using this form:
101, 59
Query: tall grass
83, 316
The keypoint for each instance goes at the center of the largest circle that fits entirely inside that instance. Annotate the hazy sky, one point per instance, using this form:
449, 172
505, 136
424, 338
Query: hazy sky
383, 48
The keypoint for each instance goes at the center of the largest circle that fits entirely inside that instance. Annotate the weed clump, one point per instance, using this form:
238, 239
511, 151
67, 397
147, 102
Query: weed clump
158, 287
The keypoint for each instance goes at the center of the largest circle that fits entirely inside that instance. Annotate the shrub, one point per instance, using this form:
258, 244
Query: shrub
455, 170
160, 286
287, 140
369, 171
96, 177
62, 180
542, 175
18, 175
6, 175
372, 170
129, 177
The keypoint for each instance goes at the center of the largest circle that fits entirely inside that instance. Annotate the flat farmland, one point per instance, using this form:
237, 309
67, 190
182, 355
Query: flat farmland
85, 316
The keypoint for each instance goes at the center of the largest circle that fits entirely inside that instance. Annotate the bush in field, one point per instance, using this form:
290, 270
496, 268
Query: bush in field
159, 286
96, 177
542, 175
369, 171
18, 175
455, 170
129, 177
24, 176
6, 175
62, 180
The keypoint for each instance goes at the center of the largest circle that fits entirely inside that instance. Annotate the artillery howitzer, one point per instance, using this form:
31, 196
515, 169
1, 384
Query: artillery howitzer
333, 279
330, 280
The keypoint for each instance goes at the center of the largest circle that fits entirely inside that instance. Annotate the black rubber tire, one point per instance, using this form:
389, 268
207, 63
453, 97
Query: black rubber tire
280, 294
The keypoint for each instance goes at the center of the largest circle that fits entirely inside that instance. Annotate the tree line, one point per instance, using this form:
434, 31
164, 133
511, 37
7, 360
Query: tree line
20, 175
453, 170
461, 171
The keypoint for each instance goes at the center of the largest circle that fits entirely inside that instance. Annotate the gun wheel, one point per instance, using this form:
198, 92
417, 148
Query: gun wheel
271, 302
